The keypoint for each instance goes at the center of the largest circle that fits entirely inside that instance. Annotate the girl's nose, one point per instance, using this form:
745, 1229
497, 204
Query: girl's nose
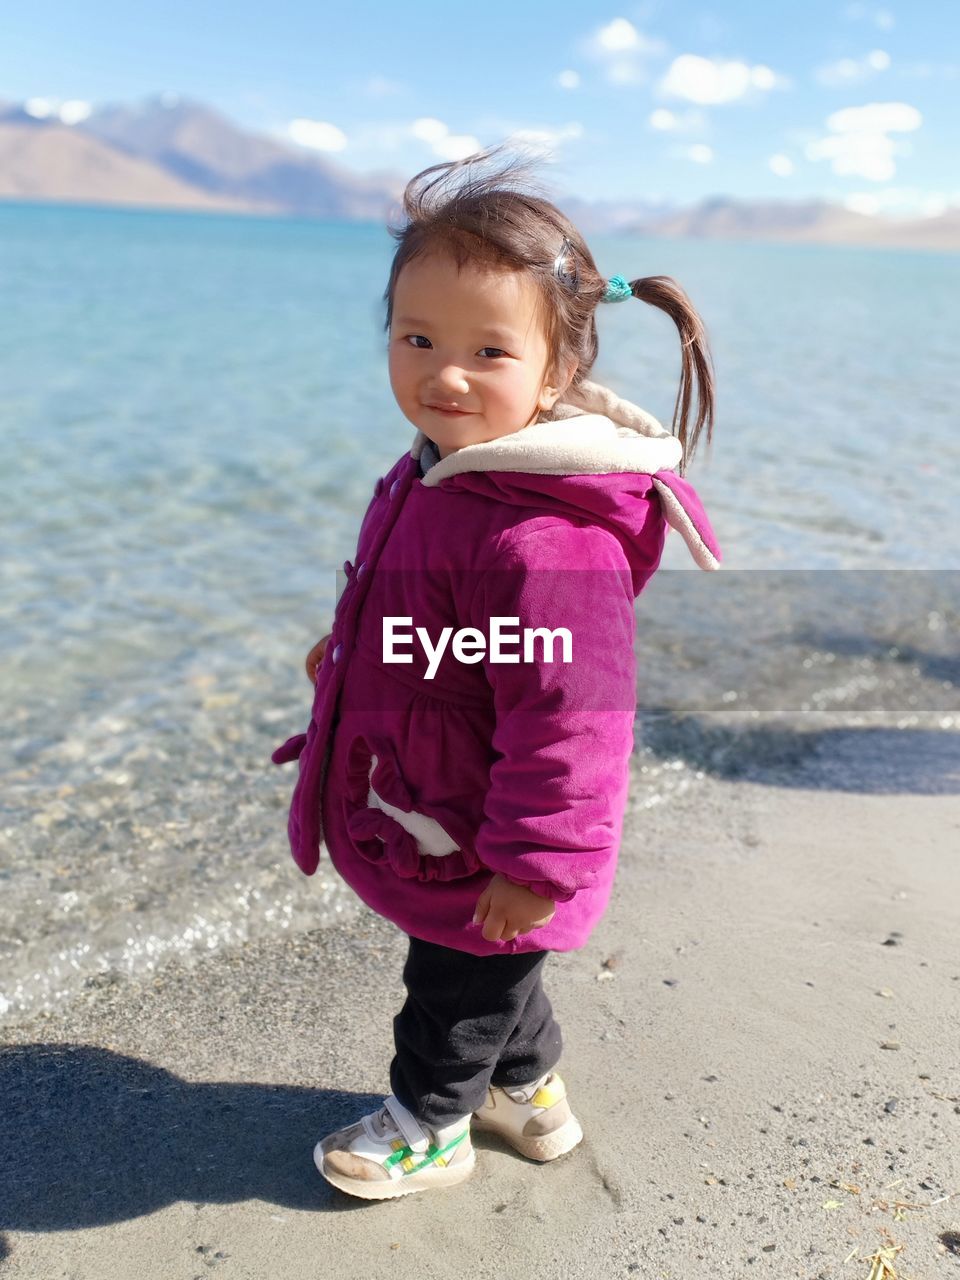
454, 379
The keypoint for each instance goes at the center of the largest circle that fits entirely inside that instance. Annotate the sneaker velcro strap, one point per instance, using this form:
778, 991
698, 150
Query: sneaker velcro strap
408, 1124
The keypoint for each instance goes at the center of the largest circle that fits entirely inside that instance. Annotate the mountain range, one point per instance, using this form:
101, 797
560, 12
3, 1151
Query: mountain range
178, 153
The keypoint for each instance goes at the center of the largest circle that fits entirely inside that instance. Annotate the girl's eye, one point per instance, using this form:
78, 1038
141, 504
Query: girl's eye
417, 338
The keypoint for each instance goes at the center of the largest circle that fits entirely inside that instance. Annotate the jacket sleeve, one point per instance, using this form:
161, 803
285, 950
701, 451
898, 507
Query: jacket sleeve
564, 730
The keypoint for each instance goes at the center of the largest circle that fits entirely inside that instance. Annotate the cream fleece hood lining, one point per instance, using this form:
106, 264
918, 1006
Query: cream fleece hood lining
591, 431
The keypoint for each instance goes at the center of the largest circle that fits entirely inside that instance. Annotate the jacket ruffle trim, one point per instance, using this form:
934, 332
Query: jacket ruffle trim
371, 773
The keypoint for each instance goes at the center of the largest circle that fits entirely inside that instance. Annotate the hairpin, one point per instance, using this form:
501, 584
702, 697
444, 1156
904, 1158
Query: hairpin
569, 276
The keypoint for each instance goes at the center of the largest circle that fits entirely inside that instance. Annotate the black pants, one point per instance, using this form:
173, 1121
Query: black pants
467, 1022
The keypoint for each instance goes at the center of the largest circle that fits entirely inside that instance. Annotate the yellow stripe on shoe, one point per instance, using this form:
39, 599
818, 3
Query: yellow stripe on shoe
542, 1128
549, 1093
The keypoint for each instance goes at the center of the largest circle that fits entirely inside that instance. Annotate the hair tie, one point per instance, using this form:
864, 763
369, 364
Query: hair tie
618, 290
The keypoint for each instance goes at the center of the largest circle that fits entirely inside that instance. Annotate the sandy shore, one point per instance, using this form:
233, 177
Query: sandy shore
762, 1041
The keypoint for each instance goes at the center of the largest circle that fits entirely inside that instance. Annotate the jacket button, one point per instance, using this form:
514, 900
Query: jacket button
337, 652
361, 568
394, 487
378, 488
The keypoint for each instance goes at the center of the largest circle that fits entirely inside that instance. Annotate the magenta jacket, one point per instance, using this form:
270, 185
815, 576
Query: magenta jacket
421, 785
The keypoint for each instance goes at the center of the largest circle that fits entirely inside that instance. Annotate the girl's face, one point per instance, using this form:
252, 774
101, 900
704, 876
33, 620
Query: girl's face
468, 356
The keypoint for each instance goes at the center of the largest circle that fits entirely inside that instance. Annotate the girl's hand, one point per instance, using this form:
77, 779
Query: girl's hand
315, 658
506, 909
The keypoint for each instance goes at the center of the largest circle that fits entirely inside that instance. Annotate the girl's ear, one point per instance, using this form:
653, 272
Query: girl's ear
551, 391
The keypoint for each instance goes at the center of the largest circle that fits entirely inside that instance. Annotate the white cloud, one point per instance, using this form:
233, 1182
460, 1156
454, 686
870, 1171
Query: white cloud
888, 117
781, 165
712, 81
401, 142
699, 153
531, 134
455, 146
427, 129
569, 79
74, 110
443, 143
847, 71
761, 77
623, 51
39, 108
617, 36
376, 142
868, 155
70, 112
859, 144
664, 120
547, 140
318, 135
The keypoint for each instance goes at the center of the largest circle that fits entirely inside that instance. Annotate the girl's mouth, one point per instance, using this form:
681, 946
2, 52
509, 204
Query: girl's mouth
450, 413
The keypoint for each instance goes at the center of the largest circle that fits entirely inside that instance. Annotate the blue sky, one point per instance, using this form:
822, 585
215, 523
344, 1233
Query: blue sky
856, 102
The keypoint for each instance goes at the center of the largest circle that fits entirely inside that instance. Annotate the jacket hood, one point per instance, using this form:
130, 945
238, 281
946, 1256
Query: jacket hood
594, 455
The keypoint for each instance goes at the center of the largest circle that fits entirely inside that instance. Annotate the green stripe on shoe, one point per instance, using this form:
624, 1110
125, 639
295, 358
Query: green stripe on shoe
432, 1153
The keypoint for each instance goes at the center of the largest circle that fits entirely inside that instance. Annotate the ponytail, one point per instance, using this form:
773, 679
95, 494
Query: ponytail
665, 293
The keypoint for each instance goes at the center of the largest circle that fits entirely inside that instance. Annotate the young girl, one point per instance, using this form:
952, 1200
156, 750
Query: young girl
467, 760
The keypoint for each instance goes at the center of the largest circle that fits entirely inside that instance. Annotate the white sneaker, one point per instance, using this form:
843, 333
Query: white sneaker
390, 1153
534, 1118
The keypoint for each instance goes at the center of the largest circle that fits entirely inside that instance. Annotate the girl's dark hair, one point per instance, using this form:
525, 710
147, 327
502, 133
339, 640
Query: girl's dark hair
491, 219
